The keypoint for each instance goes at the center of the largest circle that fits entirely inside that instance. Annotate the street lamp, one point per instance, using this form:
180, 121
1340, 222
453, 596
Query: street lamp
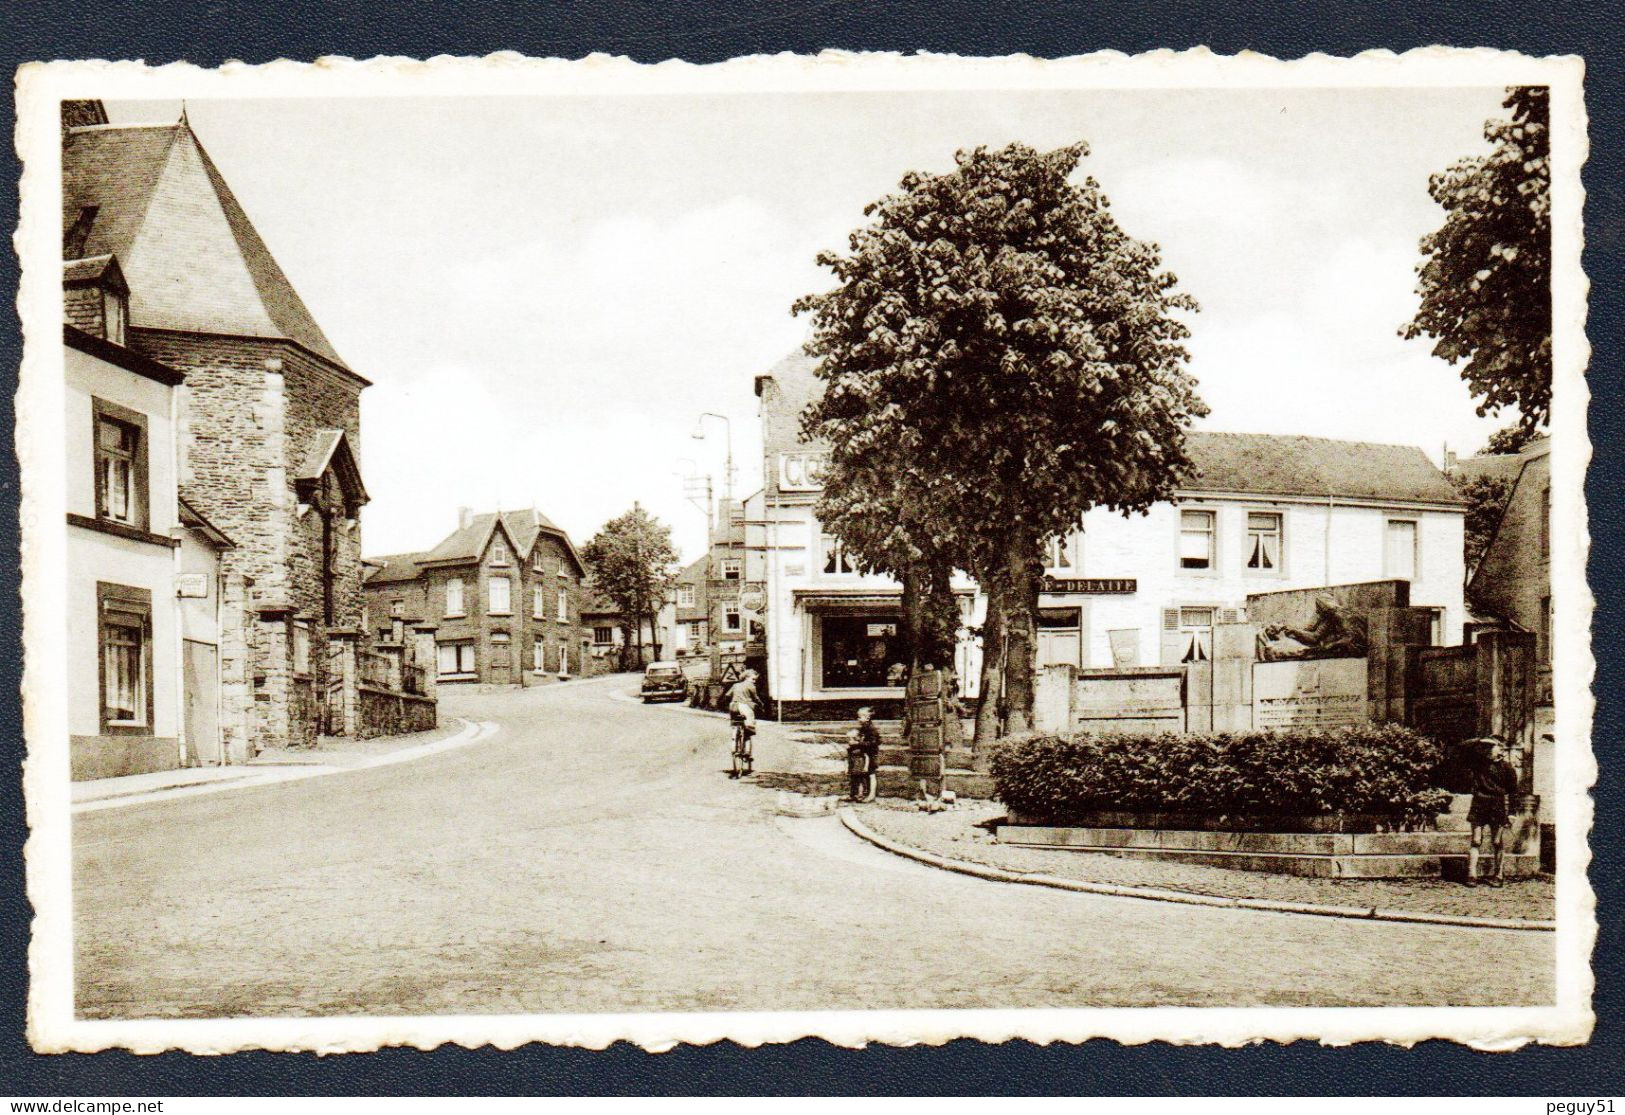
728, 468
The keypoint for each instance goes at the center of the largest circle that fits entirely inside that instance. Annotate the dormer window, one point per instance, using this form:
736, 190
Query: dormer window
499, 552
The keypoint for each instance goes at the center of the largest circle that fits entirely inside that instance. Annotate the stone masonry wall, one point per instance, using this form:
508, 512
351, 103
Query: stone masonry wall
82, 309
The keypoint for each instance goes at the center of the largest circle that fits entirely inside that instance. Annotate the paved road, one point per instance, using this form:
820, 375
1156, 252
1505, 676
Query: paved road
592, 856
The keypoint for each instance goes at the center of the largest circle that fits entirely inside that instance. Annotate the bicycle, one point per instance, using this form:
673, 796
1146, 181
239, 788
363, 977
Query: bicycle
742, 757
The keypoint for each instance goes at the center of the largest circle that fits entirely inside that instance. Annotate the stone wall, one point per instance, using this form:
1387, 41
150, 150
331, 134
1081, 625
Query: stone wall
82, 309
386, 713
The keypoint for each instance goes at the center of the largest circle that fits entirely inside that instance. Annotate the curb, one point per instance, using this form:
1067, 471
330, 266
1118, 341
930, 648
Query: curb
1183, 897
270, 774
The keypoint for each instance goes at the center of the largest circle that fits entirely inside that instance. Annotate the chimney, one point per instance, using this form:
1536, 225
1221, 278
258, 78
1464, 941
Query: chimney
465, 518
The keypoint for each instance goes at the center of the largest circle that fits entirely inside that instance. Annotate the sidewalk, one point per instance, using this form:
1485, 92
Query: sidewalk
333, 756
958, 835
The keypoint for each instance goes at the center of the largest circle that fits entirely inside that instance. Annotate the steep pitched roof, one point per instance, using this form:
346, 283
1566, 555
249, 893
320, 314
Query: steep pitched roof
522, 528
331, 449
193, 519
1272, 464
394, 568
193, 259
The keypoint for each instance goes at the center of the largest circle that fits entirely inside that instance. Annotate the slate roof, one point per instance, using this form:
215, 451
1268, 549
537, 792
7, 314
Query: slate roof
1504, 466
332, 447
595, 603
92, 269
468, 543
394, 568
1273, 464
192, 257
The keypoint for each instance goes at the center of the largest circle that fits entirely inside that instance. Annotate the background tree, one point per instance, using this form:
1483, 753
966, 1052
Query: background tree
633, 563
1509, 439
1486, 498
996, 334
1485, 275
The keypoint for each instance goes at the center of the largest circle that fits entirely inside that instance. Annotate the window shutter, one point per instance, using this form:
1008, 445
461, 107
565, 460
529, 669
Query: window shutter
1173, 642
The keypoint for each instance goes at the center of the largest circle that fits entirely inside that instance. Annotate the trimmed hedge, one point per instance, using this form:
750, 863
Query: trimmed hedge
1380, 770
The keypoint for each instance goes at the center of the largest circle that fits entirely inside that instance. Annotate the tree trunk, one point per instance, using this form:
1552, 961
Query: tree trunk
987, 711
1023, 567
939, 617
909, 629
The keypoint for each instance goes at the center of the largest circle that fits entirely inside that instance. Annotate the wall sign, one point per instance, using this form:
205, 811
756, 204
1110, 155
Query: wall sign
1321, 693
802, 472
192, 586
1092, 586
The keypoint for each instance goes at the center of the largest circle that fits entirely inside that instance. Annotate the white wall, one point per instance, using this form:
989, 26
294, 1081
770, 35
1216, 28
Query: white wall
93, 556
784, 551
1145, 547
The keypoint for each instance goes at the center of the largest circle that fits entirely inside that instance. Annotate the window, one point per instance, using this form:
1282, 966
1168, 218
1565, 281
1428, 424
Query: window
696, 633
1543, 649
685, 596
120, 466
501, 596
1399, 552
126, 657
1546, 521
536, 561
397, 608
1196, 540
499, 552
538, 602
835, 559
538, 652
858, 652
1058, 554
301, 647
454, 597
114, 313
603, 636
730, 569
456, 658
1264, 541
564, 605
1196, 630
730, 618
564, 658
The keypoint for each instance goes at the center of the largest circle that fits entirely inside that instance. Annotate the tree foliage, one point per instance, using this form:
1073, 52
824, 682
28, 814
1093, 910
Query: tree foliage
1509, 439
1000, 356
633, 563
1486, 498
1485, 274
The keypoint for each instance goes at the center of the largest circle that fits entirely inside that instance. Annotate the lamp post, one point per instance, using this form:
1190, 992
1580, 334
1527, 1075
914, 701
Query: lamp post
728, 467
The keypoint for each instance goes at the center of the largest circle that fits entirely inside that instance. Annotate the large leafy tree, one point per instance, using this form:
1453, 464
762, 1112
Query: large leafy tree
1013, 358
633, 562
1486, 498
1485, 274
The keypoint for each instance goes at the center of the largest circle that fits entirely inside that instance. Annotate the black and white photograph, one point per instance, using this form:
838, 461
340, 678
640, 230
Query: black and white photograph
886, 549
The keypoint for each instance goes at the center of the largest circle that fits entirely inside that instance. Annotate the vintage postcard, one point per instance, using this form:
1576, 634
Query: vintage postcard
881, 548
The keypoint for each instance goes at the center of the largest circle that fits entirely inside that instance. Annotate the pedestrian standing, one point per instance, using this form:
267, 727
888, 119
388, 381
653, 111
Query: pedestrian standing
1494, 782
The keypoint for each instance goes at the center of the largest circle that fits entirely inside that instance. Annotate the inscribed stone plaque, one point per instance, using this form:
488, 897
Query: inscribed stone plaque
1325, 693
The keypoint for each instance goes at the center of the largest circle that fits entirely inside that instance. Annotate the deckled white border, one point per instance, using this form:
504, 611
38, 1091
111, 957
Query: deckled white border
52, 1027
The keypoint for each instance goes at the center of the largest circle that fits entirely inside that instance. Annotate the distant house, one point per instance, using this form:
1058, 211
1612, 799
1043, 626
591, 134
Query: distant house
504, 590
1262, 513
1513, 580
267, 424
605, 633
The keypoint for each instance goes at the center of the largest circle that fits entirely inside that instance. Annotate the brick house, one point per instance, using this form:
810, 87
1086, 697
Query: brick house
504, 591
268, 419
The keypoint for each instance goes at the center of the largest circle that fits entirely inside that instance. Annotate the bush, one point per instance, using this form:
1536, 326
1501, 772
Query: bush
1376, 770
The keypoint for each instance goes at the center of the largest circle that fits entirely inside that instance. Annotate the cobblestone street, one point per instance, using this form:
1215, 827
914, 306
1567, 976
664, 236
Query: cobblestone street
591, 856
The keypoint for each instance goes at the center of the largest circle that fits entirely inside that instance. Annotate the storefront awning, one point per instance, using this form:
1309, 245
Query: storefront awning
834, 600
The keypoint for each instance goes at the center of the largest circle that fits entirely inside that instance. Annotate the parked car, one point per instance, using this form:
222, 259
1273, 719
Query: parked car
664, 681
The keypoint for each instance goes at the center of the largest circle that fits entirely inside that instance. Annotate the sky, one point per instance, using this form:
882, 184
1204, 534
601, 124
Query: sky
547, 292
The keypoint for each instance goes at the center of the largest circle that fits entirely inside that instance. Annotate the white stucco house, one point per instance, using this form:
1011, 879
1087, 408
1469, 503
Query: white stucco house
1263, 513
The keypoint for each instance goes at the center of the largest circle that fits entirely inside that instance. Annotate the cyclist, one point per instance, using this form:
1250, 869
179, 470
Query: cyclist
742, 714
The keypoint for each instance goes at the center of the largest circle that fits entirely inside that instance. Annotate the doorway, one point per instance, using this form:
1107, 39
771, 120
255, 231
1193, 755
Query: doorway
202, 688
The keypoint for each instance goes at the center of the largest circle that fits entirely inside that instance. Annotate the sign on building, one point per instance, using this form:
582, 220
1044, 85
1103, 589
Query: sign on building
802, 472
1322, 693
1092, 586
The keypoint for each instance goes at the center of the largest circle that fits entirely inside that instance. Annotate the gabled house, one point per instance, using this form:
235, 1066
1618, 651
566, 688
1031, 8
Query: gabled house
267, 421
504, 591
